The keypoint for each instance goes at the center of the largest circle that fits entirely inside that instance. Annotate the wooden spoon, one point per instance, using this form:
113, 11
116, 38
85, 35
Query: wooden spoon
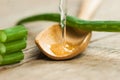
49, 40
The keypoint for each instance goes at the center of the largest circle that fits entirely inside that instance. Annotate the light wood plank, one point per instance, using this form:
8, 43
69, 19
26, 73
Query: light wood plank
100, 61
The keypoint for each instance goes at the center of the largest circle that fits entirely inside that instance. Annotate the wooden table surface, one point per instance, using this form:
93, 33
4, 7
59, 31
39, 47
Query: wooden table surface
100, 61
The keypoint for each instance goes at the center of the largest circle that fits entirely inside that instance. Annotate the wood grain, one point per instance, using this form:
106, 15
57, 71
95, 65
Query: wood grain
100, 61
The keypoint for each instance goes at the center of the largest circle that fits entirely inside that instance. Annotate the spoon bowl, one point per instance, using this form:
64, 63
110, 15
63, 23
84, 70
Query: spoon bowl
52, 35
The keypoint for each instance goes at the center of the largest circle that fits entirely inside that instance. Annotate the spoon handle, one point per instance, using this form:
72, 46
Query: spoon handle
88, 7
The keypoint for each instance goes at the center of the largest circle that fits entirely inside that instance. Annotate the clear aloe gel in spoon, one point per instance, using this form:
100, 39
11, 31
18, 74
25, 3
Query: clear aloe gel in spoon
62, 48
